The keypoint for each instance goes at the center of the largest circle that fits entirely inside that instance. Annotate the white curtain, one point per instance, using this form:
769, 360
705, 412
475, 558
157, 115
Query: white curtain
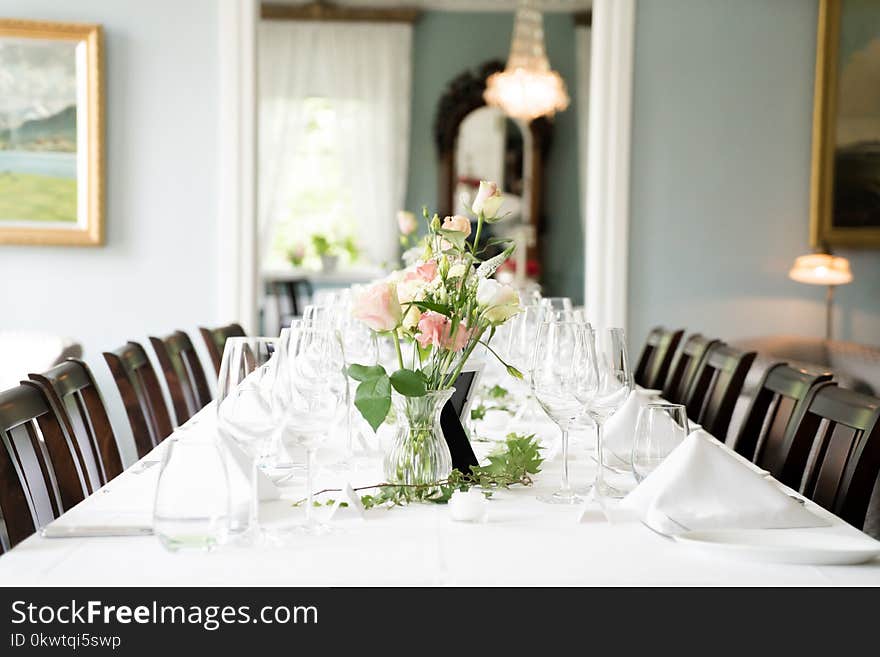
367, 68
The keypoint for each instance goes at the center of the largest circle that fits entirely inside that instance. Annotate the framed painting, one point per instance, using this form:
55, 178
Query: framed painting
51, 133
845, 185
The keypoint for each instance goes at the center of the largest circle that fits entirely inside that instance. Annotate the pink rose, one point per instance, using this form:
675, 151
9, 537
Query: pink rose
458, 223
406, 221
435, 329
427, 271
488, 200
378, 307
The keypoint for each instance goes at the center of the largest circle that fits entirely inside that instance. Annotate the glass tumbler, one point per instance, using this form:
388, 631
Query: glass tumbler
191, 509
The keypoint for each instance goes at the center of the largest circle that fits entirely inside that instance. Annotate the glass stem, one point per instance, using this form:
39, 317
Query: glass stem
310, 493
566, 486
600, 458
254, 507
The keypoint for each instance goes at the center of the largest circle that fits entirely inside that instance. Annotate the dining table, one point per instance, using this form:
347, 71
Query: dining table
520, 541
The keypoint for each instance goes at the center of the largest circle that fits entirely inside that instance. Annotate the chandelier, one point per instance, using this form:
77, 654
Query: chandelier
527, 88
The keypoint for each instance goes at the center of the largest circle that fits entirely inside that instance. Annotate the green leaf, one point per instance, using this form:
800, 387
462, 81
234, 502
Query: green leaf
456, 237
497, 392
514, 372
446, 311
366, 372
409, 383
373, 399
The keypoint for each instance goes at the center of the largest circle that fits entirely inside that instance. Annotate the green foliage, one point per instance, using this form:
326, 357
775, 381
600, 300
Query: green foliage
321, 244
409, 383
373, 395
514, 463
497, 392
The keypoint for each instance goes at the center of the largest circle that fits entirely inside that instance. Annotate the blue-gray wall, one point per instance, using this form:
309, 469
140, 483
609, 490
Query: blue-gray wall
447, 43
722, 120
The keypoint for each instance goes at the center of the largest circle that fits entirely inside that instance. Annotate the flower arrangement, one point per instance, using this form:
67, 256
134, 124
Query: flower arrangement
444, 305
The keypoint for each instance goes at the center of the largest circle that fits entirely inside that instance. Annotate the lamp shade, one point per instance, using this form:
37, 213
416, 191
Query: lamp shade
821, 269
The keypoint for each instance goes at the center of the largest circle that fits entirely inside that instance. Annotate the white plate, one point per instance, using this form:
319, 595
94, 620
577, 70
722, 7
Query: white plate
801, 546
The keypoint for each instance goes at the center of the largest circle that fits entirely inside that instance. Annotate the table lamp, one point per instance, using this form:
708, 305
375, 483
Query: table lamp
822, 269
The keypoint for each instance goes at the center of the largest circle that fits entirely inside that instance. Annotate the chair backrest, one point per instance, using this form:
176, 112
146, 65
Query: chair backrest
836, 445
183, 372
685, 367
657, 354
771, 411
30, 494
716, 386
215, 341
141, 395
71, 388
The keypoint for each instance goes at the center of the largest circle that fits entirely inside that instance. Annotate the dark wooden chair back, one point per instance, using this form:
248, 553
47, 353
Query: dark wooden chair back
775, 404
215, 341
184, 375
656, 359
30, 437
71, 388
836, 446
141, 395
716, 386
685, 367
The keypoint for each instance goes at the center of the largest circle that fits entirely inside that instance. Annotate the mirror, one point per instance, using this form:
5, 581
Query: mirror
477, 142
490, 147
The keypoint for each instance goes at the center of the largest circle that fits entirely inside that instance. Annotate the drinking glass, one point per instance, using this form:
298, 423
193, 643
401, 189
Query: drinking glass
560, 381
318, 393
557, 303
608, 363
249, 416
359, 345
191, 509
660, 428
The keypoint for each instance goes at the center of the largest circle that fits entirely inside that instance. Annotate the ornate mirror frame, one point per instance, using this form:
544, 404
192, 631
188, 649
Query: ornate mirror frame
463, 95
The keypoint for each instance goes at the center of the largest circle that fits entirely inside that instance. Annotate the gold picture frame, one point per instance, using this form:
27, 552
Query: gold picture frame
52, 147
844, 223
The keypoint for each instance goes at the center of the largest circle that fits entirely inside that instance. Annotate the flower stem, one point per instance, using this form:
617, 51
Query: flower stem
397, 348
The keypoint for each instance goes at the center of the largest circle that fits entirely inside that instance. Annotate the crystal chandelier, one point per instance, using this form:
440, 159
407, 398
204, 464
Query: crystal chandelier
527, 88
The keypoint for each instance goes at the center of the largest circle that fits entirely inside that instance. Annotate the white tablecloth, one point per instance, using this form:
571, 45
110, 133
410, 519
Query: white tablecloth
524, 542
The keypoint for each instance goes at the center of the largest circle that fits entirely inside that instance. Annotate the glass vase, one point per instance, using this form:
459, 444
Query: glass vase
419, 454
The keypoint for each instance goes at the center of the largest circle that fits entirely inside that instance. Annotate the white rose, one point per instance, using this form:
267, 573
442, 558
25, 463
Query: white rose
501, 302
488, 200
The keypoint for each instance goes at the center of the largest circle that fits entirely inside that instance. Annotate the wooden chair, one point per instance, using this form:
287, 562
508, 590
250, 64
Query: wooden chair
771, 411
685, 367
215, 341
184, 375
141, 395
716, 386
836, 445
30, 436
656, 358
71, 388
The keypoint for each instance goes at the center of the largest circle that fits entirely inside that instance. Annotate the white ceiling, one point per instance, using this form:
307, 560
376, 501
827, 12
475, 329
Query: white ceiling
459, 5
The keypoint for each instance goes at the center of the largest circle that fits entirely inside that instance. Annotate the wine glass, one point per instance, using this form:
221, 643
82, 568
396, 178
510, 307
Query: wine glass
660, 428
318, 393
359, 346
556, 304
608, 362
560, 383
248, 416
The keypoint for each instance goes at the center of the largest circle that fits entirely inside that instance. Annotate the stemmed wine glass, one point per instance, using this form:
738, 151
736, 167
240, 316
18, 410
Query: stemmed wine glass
359, 345
518, 349
608, 362
248, 417
557, 304
660, 428
560, 382
318, 393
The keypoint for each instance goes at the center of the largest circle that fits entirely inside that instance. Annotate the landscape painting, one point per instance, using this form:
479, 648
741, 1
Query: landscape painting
51, 128
846, 136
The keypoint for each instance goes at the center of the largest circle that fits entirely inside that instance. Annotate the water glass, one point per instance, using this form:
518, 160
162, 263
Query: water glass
192, 504
660, 428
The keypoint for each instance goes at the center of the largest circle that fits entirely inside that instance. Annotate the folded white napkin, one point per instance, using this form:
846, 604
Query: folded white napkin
703, 486
620, 429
